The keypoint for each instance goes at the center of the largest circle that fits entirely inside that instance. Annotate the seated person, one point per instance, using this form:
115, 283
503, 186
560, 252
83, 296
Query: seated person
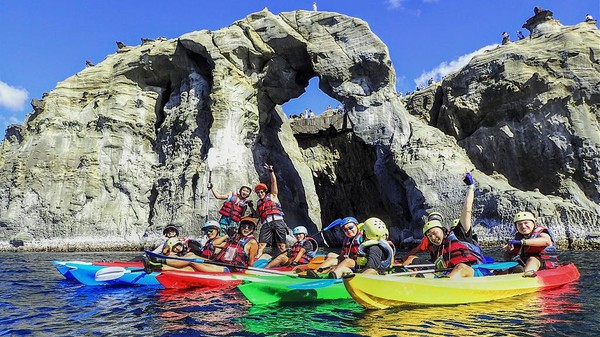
302, 251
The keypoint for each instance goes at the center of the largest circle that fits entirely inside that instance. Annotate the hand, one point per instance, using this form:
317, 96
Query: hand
469, 179
268, 167
209, 186
230, 231
514, 242
250, 203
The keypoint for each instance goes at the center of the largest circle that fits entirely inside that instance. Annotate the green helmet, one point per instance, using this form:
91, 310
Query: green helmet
455, 223
524, 216
431, 224
435, 216
375, 229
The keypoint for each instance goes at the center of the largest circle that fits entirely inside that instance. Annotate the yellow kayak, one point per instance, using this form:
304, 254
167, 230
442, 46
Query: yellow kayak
382, 291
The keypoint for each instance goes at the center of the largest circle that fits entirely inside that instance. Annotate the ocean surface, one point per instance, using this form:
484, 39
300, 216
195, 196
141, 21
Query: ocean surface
35, 300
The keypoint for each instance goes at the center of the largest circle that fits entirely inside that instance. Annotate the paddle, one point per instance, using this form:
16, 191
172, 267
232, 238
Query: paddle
113, 273
210, 161
222, 264
330, 226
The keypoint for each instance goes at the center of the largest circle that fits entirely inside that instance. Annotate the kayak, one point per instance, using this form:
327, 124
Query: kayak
64, 267
96, 275
276, 289
381, 291
177, 279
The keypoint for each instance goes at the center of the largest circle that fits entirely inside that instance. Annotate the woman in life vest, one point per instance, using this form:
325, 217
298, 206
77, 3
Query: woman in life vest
457, 248
532, 245
241, 248
375, 254
234, 207
301, 252
348, 255
271, 215
209, 249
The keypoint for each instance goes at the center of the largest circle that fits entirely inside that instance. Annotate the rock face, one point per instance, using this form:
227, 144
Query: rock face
121, 149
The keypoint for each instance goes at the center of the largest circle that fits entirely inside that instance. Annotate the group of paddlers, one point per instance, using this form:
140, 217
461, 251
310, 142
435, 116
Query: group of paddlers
231, 245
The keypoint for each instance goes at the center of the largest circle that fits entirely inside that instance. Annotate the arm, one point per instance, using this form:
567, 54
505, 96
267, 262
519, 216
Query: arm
217, 194
252, 248
274, 189
466, 215
220, 241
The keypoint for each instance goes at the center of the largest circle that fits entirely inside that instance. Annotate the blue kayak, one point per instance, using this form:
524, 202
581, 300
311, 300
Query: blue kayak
95, 275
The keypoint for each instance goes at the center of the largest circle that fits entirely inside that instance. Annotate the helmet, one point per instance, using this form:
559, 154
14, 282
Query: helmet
171, 227
261, 187
348, 220
172, 242
300, 230
431, 224
435, 216
210, 224
246, 186
375, 229
455, 223
248, 221
524, 216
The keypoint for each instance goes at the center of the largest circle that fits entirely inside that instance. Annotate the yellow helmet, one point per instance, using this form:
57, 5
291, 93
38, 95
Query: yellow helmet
524, 216
435, 216
375, 229
431, 224
455, 223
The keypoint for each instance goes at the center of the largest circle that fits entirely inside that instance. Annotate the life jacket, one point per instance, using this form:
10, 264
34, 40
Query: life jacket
166, 248
234, 208
308, 255
266, 206
547, 255
350, 246
388, 249
452, 252
233, 252
208, 250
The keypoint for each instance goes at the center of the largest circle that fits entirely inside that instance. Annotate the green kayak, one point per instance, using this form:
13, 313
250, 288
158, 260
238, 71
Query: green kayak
275, 289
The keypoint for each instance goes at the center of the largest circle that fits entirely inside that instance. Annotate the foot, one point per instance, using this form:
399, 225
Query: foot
150, 266
309, 273
331, 275
530, 273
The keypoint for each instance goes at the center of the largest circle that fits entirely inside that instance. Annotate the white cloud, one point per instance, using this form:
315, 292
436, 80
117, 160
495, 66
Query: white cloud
12, 98
446, 68
395, 3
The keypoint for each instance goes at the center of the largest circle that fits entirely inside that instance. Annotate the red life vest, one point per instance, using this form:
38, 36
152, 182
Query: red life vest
266, 206
350, 246
234, 208
234, 253
454, 252
208, 250
546, 255
308, 255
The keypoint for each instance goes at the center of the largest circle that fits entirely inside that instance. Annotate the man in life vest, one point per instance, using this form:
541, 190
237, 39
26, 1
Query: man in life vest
532, 245
347, 257
411, 257
234, 207
271, 214
209, 250
302, 252
375, 254
457, 248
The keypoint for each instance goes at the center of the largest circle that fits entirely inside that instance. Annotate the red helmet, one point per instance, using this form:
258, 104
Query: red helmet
261, 187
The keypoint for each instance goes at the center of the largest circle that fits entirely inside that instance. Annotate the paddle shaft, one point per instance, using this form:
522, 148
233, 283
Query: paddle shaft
222, 264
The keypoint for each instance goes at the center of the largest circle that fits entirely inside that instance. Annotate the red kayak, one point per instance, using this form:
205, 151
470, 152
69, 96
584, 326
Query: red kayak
177, 279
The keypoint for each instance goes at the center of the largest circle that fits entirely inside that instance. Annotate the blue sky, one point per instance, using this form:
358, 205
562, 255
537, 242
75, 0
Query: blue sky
44, 42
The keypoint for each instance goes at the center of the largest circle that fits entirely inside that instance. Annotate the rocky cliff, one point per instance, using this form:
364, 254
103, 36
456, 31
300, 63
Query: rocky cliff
119, 150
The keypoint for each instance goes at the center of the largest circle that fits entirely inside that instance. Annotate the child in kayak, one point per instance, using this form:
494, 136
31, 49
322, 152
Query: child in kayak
169, 232
532, 246
375, 254
301, 252
456, 248
348, 255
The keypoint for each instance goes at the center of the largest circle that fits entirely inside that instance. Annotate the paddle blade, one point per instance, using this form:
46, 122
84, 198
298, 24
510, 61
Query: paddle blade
495, 265
333, 224
315, 284
211, 158
316, 261
110, 273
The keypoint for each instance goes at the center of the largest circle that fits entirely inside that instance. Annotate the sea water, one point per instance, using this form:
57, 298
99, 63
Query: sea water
35, 300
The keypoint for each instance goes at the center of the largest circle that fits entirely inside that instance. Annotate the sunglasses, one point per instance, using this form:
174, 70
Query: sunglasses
247, 227
208, 230
349, 228
261, 192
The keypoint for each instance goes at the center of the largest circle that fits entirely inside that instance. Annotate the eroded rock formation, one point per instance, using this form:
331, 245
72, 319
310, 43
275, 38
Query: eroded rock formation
119, 150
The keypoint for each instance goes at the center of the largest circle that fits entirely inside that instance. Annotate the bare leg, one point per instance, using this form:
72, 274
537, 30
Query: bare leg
462, 270
261, 248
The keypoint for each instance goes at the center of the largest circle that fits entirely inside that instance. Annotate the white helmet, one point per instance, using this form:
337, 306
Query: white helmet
300, 230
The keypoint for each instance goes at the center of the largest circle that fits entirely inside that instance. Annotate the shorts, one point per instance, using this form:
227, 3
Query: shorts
276, 229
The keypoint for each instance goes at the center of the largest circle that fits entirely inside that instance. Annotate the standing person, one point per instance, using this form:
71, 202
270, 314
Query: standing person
589, 18
349, 254
375, 254
457, 248
520, 35
302, 252
270, 212
532, 245
234, 207
314, 6
505, 38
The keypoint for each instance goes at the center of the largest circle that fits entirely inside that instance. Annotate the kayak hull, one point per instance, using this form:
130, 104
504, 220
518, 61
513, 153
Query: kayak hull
86, 274
174, 279
65, 267
380, 291
263, 289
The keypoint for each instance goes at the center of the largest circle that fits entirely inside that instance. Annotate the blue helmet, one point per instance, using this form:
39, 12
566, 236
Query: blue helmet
348, 220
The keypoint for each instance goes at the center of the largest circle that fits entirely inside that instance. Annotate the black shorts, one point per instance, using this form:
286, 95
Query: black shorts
276, 229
